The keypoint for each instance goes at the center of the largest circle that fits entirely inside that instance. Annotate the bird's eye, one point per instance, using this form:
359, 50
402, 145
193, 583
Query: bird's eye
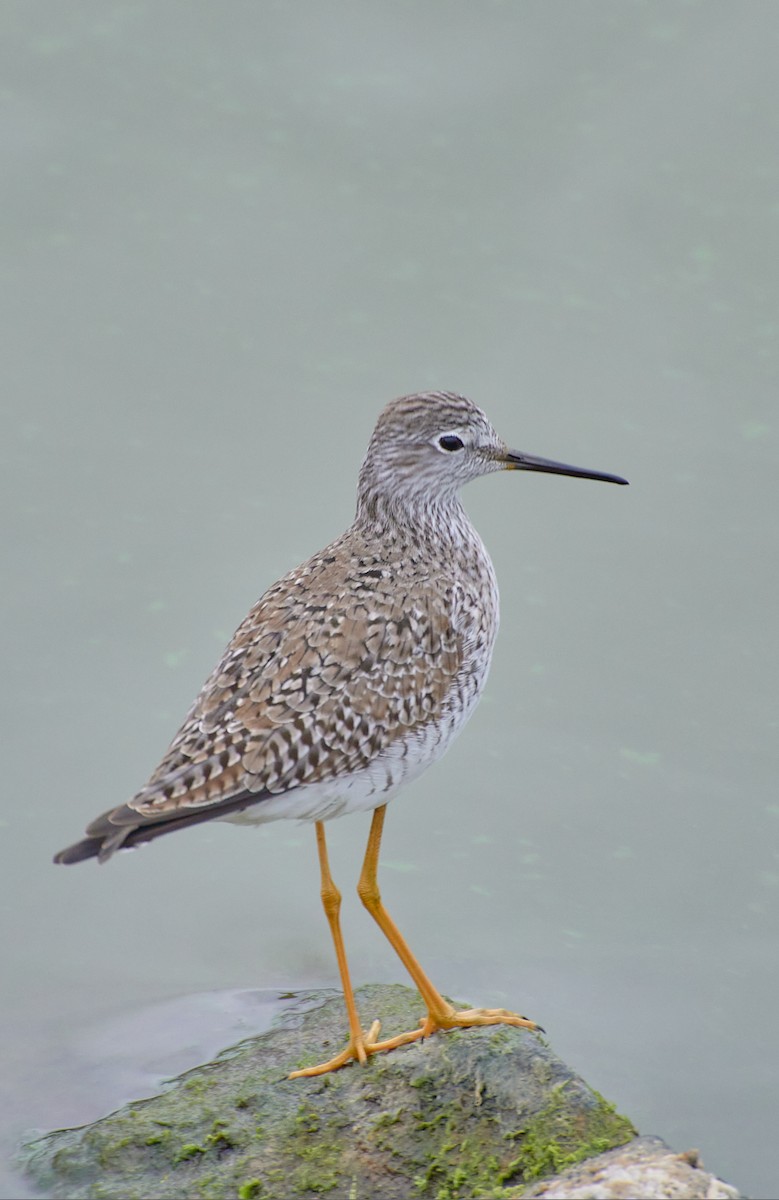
450, 441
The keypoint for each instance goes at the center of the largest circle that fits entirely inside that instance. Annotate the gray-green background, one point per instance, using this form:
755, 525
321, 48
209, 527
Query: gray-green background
231, 232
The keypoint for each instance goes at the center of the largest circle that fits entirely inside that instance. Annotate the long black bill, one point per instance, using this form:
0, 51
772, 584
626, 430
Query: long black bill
529, 462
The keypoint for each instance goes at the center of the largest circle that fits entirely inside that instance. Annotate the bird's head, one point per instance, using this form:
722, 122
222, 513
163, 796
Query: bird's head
426, 446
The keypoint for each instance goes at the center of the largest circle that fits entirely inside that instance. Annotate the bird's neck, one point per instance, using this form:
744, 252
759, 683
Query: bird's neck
439, 522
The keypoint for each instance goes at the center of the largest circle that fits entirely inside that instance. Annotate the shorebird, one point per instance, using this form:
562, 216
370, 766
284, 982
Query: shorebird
349, 677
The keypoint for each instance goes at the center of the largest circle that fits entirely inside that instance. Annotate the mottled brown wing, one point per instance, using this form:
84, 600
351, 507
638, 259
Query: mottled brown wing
327, 671
308, 696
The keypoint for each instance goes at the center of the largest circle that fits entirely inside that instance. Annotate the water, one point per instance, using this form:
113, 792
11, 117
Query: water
231, 236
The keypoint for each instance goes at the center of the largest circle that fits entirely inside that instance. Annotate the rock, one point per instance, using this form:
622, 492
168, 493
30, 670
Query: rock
642, 1167
480, 1112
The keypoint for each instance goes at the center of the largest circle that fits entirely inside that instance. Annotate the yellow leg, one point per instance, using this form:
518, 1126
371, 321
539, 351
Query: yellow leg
360, 1044
440, 1014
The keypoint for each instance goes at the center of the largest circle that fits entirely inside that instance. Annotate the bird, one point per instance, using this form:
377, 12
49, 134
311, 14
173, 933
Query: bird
348, 678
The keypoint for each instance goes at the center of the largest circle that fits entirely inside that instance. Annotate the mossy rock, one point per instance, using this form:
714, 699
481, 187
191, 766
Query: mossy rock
474, 1113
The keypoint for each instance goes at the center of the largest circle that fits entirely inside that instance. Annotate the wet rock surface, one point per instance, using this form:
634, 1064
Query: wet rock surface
483, 1112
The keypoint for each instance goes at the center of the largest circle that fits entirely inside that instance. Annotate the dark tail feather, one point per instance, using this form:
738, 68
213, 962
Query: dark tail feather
89, 848
122, 835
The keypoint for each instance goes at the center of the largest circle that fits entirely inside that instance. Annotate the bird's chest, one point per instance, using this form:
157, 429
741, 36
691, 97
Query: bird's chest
475, 615
462, 612
469, 620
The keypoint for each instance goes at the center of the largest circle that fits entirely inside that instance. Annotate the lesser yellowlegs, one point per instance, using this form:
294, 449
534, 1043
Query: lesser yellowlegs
350, 676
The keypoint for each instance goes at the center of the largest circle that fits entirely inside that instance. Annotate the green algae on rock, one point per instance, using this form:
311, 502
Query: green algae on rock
471, 1113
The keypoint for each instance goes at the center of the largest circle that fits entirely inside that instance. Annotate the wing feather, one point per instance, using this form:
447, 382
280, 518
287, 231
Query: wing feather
329, 669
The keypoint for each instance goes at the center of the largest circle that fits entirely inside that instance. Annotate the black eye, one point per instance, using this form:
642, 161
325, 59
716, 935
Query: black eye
450, 442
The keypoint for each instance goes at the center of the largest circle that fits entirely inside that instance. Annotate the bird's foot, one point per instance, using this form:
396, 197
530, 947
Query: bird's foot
360, 1049
443, 1017
447, 1017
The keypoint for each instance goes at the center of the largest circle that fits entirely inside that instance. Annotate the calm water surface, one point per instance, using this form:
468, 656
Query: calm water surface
231, 234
